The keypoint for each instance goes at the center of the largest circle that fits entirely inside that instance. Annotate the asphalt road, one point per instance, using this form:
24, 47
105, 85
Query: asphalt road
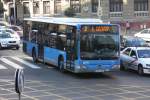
44, 82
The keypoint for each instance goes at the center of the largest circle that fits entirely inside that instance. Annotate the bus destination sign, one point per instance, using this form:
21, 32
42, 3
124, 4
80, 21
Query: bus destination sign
103, 29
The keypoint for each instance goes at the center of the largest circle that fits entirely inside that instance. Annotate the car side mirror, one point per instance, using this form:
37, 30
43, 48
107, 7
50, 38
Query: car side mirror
134, 56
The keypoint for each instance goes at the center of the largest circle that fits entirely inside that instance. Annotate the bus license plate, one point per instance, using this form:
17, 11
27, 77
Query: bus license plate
99, 70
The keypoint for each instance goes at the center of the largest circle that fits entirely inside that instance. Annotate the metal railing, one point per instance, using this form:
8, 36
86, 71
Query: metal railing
116, 14
141, 13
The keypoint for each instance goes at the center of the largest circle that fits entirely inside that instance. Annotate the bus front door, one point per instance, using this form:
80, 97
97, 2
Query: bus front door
70, 53
40, 46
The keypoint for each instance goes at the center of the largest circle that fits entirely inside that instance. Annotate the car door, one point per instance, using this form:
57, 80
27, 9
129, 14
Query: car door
125, 57
133, 60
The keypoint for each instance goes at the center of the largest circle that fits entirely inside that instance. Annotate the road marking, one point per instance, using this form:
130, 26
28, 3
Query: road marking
2, 67
16, 66
26, 57
26, 63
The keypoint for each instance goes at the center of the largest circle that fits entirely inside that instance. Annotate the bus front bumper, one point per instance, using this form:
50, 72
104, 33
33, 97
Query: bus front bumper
96, 69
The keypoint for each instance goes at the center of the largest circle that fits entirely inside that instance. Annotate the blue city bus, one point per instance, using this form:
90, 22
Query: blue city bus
79, 45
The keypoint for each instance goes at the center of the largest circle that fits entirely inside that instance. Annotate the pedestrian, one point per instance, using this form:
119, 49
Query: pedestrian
9, 21
12, 19
127, 27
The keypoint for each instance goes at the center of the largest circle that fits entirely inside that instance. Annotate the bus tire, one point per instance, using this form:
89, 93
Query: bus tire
61, 64
34, 56
140, 70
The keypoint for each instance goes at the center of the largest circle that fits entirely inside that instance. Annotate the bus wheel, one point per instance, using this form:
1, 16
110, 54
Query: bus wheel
61, 64
34, 56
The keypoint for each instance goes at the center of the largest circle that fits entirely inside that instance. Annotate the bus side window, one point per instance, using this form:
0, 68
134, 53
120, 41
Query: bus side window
33, 34
61, 40
52, 39
26, 31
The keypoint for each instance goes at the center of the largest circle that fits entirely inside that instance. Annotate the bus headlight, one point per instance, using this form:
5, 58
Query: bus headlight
116, 67
83, 66
78, 67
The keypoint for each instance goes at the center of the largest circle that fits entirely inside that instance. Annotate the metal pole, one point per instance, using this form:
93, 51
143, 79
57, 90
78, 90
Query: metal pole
14, 2
19, 95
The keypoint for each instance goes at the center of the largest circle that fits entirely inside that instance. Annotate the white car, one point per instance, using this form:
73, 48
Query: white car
144, 34
3, 23
9, 40
12, 32
136, 58
17, 29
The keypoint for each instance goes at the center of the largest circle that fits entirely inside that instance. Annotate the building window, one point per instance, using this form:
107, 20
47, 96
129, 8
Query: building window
116, 5
57, 6
36, 7
140, 5
46, 7
76, 5
94, 5
26, 8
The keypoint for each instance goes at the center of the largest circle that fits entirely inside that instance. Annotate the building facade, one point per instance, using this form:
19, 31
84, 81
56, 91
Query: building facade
32, 8
132, 14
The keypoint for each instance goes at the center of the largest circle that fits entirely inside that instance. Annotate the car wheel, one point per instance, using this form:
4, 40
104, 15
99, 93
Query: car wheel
0, 47
17, 48
34, 56
122, 66
61, 64
140, 70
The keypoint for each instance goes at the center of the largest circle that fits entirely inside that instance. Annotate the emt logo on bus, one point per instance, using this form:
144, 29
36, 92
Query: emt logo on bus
103, 29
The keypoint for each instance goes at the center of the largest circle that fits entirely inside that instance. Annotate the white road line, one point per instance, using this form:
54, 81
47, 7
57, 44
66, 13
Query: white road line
14, 65
26, 63
2, 67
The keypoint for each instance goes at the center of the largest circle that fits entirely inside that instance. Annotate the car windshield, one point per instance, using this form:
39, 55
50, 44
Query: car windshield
2, 24
143, 53
5, 36
135, 42
7, 31
15, 28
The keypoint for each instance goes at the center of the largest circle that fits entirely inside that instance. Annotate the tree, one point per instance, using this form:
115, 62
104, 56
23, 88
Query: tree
69, 12
1, 7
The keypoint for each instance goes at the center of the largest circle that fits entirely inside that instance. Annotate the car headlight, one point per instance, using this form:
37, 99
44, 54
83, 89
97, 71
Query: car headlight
3, 42
147, 65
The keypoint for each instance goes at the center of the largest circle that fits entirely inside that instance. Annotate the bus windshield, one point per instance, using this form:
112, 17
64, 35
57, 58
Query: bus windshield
99, 46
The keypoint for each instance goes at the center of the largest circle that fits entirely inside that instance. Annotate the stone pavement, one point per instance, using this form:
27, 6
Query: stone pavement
51, 90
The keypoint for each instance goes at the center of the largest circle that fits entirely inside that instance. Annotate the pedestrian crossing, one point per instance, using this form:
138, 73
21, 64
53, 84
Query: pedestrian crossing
2, 67
17, 63
26, 63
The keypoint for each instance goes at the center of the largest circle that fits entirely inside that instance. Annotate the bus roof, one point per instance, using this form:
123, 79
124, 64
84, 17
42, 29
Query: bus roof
66, 21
